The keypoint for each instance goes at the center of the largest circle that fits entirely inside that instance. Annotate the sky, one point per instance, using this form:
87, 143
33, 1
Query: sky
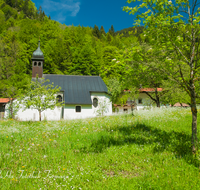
88, 12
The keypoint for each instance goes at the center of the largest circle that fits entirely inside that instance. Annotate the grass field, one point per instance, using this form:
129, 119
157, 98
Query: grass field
147, 150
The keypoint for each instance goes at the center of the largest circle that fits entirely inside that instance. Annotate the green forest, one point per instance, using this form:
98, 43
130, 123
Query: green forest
118, 57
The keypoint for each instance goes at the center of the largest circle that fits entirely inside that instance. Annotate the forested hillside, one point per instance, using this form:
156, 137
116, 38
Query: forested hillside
70, 50
130, 31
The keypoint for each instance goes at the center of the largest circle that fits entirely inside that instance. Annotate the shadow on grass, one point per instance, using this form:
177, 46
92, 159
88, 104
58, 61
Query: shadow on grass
140, 134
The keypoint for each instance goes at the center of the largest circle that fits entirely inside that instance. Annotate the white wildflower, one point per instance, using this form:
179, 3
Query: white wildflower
45, 156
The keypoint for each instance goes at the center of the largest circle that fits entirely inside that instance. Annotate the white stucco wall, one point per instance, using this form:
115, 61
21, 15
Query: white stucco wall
102, 97
146, 102
88, 110
33, 114
69, 111
122, 108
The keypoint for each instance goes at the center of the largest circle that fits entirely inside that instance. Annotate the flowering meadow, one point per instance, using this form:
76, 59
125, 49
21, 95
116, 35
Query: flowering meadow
143, 150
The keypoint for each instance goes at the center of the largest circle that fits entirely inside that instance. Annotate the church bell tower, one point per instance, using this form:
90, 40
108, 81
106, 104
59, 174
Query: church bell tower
37, 62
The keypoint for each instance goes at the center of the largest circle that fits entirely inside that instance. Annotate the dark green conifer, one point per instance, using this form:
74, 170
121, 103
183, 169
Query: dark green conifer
96, 32
25, 8
102, 31
112, 31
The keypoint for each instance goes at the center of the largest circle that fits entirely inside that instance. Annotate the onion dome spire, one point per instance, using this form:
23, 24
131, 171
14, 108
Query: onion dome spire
38, 54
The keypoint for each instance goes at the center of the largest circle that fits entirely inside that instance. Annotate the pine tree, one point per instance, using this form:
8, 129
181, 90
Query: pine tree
96, 32
102, 31
43, 15
40, 13
109, 37
25, 8
112, 31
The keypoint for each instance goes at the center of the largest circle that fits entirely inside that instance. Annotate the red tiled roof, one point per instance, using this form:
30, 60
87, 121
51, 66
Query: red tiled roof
4, 100
150, 89
147, 90
179, 105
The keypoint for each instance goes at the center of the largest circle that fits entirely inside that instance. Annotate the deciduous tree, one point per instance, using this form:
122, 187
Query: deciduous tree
13, 78
173, 27
40, 96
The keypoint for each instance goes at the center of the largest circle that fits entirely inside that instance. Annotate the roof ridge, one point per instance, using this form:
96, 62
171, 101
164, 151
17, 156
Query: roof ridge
73, 75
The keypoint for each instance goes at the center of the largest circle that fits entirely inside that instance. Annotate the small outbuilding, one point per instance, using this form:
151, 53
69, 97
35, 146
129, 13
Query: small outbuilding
3, 102
181, 105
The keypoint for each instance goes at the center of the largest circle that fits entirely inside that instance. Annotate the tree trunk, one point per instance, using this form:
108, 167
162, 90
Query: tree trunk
40, 118
157, 99
194, 120
158, 103
11, 108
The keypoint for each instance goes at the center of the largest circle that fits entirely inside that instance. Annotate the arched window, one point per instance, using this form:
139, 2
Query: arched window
39, 64
59, 98
95, 102
35, 63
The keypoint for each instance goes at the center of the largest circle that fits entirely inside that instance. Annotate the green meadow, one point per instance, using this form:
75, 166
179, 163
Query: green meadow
143, 150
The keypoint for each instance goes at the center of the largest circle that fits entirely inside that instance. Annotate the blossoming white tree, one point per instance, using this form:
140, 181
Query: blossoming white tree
40, 96
103, 107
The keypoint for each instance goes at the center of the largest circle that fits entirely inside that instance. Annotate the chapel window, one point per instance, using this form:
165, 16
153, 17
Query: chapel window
39, 64
35, 63
59, 98
78, 108
95, 102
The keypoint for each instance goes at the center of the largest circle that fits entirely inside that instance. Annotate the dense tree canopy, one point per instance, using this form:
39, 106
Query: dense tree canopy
68, 50
172, 30
123, 58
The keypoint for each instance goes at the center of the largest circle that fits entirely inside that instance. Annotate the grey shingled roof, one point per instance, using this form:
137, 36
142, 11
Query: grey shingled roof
77, 88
